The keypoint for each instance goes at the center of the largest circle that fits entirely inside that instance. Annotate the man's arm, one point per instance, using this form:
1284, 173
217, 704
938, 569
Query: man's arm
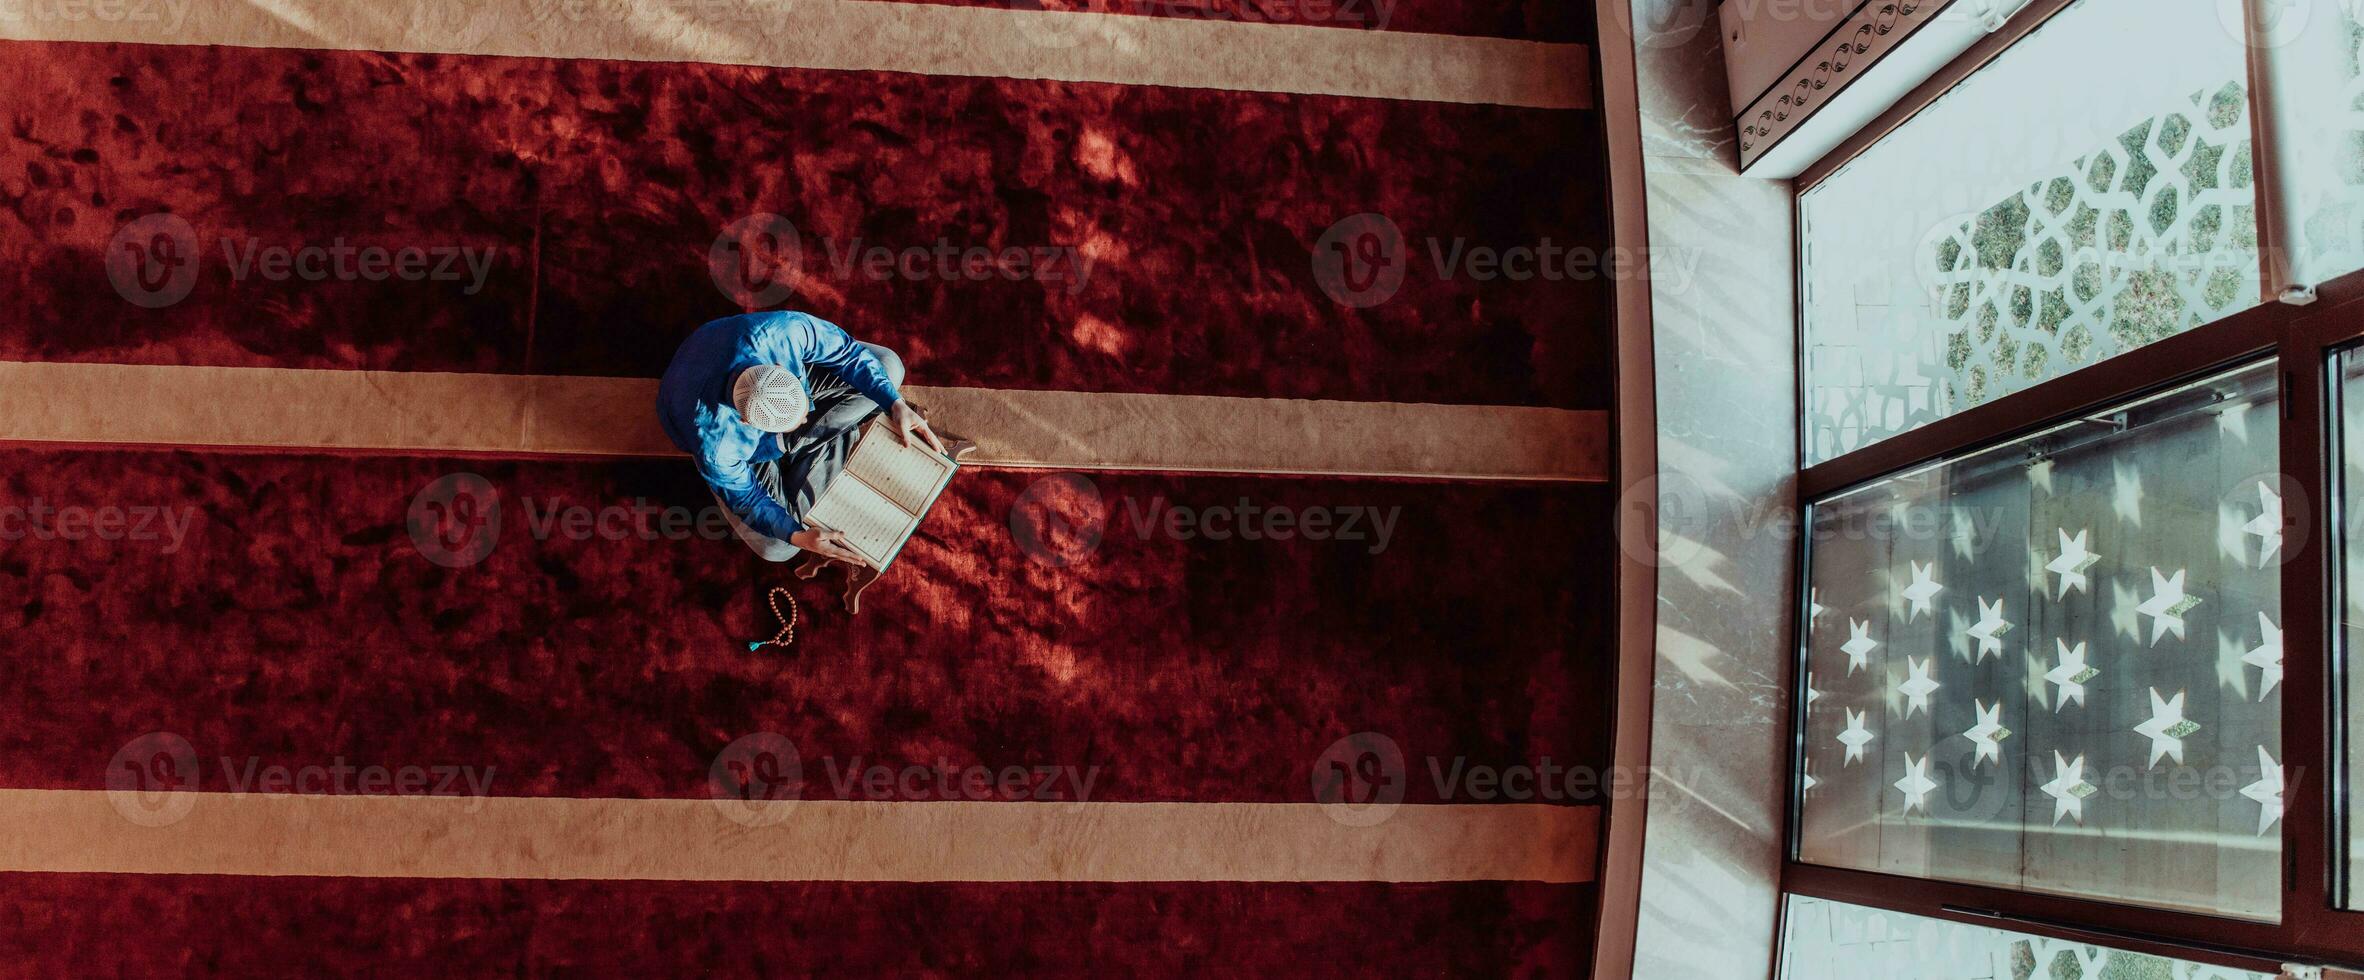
735, 485
818, 341
815, 341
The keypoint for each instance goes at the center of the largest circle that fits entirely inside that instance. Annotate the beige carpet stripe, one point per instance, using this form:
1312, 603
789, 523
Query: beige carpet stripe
706, 840
538, 415
860, 35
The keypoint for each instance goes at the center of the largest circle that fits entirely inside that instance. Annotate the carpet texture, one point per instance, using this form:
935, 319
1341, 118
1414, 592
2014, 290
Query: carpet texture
126, 924
1524, 20
299, 622
286, 610
590, 194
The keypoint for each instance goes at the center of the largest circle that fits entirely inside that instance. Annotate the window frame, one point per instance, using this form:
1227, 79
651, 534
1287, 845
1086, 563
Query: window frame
2303, 340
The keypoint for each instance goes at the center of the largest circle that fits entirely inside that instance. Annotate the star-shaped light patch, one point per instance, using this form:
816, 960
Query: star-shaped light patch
2126, 492
1916, 784
2068, 789
2167, 605
1965, 538
1988, 734
2031, 679
2267, 526
1989, 629
1917, 687
1923, 592
1859, 644
2231, 673
2073, 562
2266, 656
2267, 791
2166, 728
2124, 621
1854, 738
2071, 674
2233, 419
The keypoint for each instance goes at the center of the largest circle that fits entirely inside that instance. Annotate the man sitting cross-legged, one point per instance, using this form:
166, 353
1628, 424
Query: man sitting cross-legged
769, 404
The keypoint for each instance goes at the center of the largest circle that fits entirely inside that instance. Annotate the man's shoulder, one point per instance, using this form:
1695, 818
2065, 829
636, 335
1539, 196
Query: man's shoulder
753, 320
734, 323
764, 321
723, 437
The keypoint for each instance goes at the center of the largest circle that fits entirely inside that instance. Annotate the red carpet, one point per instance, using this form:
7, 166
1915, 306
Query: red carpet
597, 188
122, 924
1528, 20
300, 623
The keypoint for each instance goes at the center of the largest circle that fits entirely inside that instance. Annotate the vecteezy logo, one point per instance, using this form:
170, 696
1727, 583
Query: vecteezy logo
1663, 24
153, 260
455, 521
2270, 512
1661, 520
152, 781
1058, 520
1360, 779
754, 778
1360, 260
757, 260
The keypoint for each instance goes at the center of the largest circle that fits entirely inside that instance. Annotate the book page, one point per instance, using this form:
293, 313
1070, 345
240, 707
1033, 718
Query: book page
872, 523
907, 475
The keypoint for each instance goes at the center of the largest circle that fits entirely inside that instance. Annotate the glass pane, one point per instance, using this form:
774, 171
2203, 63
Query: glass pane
2055, 665
1826, 940
2313, 51
2011, 233
2350, 474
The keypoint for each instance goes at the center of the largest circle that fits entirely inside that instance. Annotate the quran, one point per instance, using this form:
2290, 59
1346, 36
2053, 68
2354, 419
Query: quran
885, 490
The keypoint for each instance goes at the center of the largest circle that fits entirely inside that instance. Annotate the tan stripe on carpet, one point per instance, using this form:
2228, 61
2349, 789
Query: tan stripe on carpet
924, 38
707, 840
504, 414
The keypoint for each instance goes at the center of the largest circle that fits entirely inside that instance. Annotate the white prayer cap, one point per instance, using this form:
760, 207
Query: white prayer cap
770, 398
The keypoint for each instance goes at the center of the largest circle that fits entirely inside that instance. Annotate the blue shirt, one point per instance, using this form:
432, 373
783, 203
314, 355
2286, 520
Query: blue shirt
694, 400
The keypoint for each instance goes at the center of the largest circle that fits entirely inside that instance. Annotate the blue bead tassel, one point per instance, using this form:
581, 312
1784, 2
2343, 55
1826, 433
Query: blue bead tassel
787, 634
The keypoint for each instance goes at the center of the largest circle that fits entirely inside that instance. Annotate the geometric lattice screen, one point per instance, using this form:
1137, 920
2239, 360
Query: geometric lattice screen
2152, 235
2088, 192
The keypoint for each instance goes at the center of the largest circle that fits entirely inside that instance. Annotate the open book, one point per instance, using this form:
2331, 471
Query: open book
882, 494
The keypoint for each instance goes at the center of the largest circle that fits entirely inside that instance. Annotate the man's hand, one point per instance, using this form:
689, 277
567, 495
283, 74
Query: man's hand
828, 544
907, 420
